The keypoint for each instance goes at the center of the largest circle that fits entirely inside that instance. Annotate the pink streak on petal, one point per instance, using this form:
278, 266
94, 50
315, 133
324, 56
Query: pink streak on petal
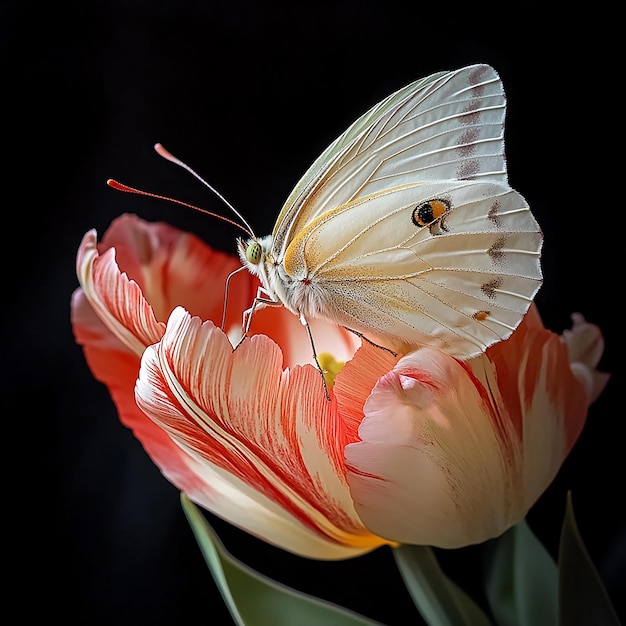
88, 328
355, 382
544, 380
117, 300
273, 430
174, 268
115, 365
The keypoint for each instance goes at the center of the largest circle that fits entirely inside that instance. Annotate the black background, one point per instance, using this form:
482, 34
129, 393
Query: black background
249, 94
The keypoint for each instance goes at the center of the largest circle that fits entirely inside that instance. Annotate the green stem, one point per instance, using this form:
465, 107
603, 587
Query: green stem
440, 601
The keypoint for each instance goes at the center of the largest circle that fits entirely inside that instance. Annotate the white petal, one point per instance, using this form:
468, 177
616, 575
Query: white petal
431, 469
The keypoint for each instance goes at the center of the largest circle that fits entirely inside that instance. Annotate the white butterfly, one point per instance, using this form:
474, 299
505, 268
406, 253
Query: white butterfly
405, 229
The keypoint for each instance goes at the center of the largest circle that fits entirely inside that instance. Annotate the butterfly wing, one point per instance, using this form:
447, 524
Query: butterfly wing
459, 284
447, 126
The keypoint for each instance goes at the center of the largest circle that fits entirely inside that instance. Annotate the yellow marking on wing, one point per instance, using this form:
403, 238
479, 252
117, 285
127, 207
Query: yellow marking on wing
295, 261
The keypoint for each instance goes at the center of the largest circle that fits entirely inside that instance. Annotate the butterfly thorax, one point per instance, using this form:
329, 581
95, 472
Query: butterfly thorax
300, 296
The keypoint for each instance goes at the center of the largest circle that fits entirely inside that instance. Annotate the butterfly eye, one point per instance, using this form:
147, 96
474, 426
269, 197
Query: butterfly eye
428, 212
254, 252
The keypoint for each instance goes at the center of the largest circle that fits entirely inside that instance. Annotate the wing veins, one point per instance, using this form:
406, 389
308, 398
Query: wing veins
422, 274
388, 128
372, 178
453, 330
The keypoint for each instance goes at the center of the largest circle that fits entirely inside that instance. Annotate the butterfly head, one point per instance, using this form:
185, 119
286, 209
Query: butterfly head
254, 253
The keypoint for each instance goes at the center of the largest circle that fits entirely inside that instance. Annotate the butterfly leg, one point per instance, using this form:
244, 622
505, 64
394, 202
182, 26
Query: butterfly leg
261, 300
364, 338
304, 322
226, 289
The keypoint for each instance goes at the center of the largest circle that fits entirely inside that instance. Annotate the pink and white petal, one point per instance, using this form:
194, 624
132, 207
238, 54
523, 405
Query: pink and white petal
586, 346
269, 429
233, 500
89, 329
116, 300
584, 341
355, 382
530, 374
532, 381
174, 267
149, 268
115, 365
430, 469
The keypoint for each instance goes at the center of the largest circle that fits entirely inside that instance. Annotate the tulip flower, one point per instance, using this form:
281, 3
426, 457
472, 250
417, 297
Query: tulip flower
420, 448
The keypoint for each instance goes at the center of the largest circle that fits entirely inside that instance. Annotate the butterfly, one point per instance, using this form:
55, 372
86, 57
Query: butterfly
405, 229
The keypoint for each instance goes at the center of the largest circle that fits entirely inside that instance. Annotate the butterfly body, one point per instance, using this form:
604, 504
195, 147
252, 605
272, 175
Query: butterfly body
300, 295
405, 229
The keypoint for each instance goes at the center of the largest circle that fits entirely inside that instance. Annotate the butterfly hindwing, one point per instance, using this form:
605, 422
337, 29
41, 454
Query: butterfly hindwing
462, 281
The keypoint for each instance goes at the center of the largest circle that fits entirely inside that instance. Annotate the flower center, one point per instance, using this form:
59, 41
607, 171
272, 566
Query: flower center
330, 366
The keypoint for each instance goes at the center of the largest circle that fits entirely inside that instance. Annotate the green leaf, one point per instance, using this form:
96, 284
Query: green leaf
440, 600
254, 599
522, 579
583, 598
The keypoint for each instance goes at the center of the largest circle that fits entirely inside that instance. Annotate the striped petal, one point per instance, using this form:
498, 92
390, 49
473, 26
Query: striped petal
141, 271
117, 301
116, 365
264, 436
453, 454
130, 282
422, 449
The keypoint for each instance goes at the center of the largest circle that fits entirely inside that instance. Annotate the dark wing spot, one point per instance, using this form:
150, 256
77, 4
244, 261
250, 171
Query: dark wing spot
476, 76
489, 288
468, 169
467, 142
471, 113
427, 212
493, 214
496, 253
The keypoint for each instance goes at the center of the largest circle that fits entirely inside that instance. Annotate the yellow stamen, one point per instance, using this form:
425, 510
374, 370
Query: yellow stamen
330, 366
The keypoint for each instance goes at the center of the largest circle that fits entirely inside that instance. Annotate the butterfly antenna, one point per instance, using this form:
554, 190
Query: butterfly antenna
121, 187
161, 151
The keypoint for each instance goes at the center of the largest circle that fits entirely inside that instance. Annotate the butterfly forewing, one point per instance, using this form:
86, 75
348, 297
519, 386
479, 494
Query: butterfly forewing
448, 126
325, 161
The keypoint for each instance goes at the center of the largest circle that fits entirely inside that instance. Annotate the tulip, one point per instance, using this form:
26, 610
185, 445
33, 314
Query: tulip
419, 448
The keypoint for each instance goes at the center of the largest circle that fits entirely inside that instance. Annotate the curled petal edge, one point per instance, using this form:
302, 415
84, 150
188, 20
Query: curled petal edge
117, 301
